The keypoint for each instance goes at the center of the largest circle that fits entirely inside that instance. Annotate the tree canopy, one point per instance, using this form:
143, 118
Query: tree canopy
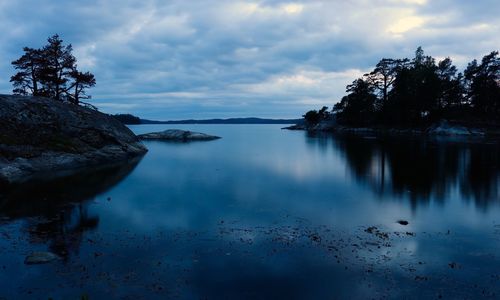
313, 117
52, 72
416, 92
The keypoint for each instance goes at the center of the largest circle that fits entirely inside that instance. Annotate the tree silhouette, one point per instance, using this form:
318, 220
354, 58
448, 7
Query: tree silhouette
51, 72
313, 117
359, 105
81, 81
484, 84
418, 92
58, 64
383, 76
27, 80
451, 87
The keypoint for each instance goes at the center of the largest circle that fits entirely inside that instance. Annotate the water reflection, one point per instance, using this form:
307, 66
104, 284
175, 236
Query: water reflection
420, 170
55, 212
261, 212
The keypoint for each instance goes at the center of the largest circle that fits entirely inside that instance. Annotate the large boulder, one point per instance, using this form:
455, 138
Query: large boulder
178, 135
39, 135
445, 128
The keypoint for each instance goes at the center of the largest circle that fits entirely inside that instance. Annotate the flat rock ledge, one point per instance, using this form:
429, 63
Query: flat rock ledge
43, 136
178, 135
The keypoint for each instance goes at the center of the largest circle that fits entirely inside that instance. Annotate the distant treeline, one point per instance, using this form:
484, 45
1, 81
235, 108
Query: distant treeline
416, 92
131, 120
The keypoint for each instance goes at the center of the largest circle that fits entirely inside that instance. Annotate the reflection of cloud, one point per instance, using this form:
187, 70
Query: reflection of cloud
302, 168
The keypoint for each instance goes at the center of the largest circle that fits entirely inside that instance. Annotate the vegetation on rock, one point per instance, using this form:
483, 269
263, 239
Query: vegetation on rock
51, 72
419, 92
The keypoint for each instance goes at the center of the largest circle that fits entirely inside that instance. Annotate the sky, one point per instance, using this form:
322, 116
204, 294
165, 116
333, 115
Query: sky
179, 59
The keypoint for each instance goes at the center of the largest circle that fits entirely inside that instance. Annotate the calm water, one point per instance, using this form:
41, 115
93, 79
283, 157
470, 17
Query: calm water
263, 213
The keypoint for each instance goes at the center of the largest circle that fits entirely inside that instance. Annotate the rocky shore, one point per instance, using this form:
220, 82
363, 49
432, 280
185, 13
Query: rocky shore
441, 128
41, 135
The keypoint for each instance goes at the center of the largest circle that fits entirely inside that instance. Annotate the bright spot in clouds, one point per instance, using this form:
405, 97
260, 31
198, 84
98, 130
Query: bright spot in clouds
418, 2
293, 8
405, 24
248, 7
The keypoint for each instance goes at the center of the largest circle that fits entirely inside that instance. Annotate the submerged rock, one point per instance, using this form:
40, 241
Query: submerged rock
178, 135
402, 222
40, 258
43, 135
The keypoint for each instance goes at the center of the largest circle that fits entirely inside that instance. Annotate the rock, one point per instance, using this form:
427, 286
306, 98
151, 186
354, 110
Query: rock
178, 135
371, 229
296, 127
43, 135
402, 222
445, 128
324, 125
440, 129
375, 231
40, 258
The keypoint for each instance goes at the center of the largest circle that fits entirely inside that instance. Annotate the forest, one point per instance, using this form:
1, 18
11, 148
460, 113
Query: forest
419, 91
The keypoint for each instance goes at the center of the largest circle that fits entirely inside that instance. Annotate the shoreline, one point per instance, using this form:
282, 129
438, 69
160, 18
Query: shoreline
442, 128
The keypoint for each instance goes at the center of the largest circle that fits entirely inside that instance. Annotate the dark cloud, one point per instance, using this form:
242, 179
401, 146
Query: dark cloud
221, 58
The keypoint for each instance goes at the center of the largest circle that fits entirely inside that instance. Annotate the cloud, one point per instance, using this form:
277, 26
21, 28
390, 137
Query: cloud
180, 59
304, 85
406, 24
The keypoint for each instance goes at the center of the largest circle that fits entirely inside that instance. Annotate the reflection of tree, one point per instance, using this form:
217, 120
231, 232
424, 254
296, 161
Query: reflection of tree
480, 181
421, 169
63, 230
56, 211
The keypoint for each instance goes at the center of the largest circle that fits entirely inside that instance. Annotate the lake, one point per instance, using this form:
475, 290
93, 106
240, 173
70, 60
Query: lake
263, 213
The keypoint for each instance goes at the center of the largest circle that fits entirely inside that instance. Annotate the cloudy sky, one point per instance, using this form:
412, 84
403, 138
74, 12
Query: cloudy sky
181, 59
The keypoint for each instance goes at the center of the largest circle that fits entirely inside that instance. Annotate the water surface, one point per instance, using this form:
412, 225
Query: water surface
263, 213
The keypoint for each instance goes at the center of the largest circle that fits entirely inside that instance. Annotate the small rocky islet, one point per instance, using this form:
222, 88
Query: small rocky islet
178, 135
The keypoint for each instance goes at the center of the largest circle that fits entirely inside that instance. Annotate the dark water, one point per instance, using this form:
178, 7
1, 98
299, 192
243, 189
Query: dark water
263, 213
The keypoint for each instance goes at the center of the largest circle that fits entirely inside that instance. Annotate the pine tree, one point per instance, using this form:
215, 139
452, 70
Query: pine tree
27, 80
51, 72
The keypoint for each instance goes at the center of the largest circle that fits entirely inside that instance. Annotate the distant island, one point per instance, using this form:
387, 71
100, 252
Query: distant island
129, 119
418, 95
